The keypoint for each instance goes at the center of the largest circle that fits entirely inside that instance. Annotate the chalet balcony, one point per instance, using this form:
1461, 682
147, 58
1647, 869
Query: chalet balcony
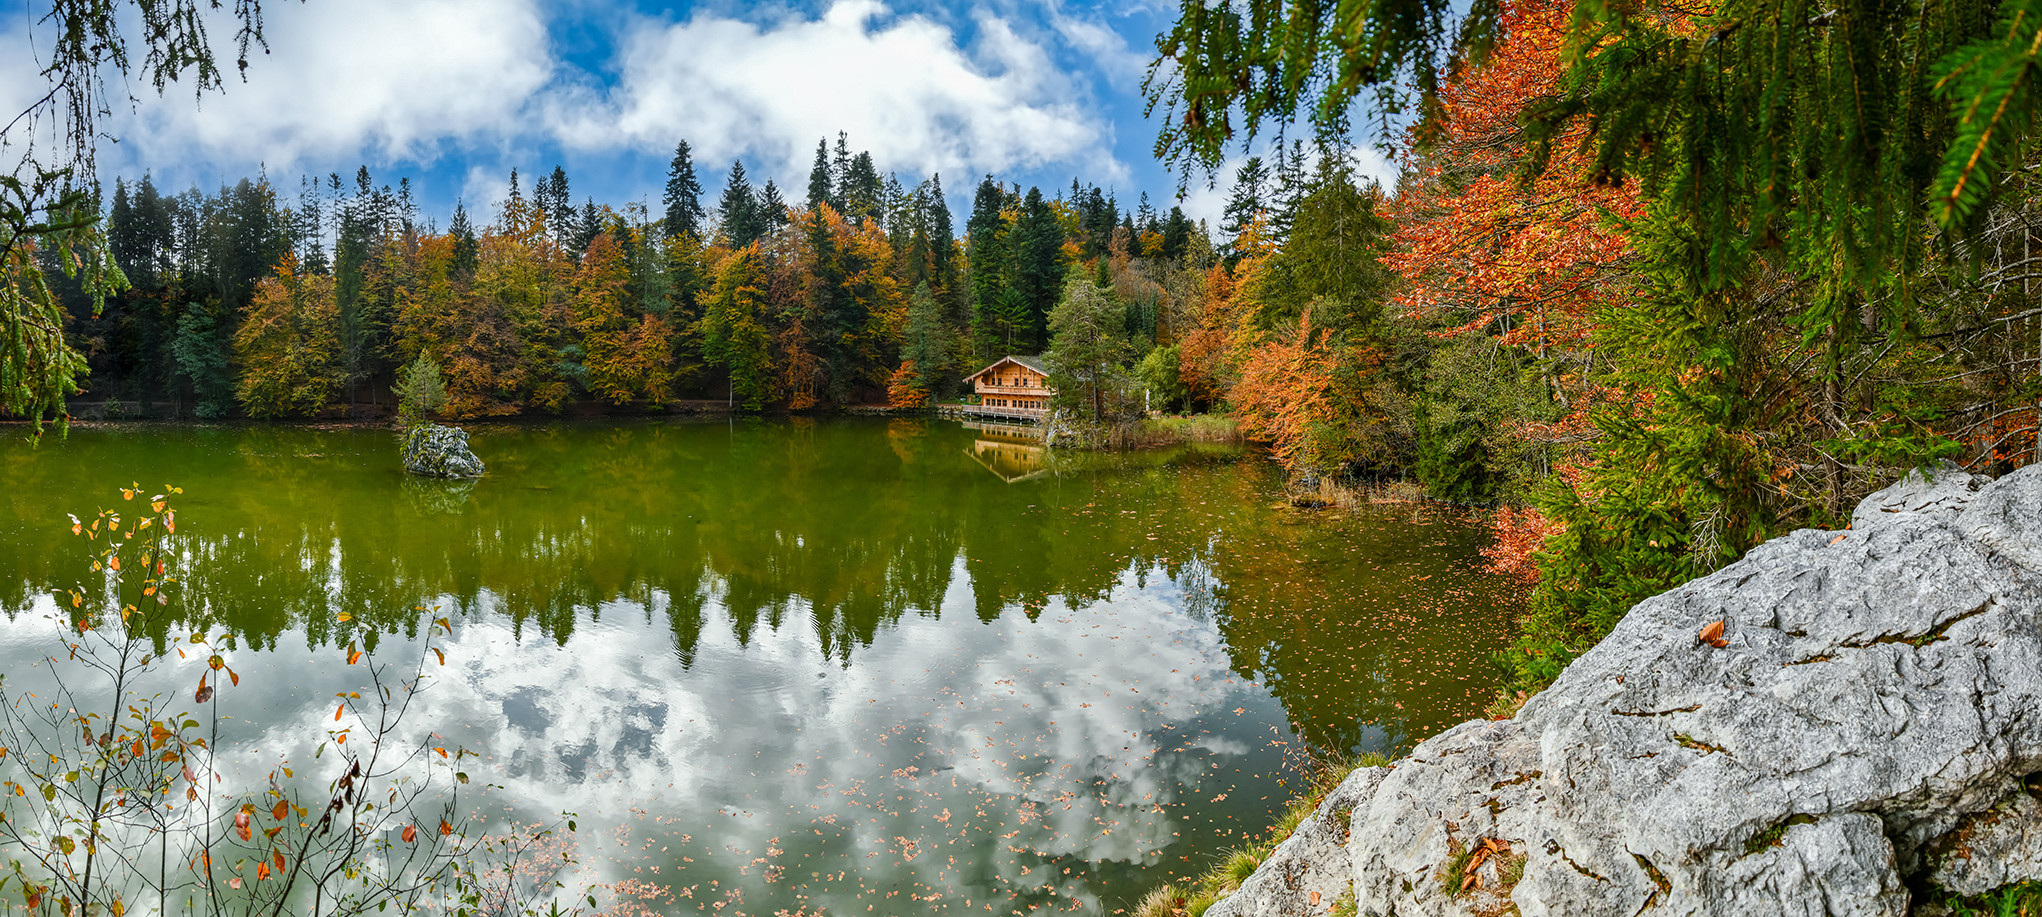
1035, 390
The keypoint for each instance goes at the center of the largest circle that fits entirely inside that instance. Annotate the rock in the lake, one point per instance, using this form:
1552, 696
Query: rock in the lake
440, 452
1874, 716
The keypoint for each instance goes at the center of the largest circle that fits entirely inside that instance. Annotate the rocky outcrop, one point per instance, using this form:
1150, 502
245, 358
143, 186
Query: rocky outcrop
435, 451
1870, 716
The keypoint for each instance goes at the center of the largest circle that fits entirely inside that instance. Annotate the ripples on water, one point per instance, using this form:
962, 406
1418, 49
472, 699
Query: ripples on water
840, 664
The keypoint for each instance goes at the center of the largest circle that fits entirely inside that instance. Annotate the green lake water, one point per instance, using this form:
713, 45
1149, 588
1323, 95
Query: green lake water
860, 665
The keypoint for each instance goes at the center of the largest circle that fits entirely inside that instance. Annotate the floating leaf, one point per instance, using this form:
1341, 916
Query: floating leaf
410, 833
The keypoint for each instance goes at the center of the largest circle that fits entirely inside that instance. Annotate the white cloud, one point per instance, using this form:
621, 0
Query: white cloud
392, 79
900, 85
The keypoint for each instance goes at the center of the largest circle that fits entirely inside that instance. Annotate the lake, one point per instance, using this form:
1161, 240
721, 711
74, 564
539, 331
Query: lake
856, 665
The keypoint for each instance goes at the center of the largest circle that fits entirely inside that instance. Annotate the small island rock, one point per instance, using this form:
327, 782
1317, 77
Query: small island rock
434, 451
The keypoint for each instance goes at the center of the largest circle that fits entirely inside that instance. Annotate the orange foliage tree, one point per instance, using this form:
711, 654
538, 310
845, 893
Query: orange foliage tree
289, 344
1503, 259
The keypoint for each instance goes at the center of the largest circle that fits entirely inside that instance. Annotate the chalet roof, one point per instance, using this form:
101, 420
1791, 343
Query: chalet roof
1030, 362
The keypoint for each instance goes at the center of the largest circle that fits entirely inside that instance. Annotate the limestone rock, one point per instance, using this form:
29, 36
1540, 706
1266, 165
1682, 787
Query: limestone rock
1999, 846
1878, 693
1306, 873
435, 451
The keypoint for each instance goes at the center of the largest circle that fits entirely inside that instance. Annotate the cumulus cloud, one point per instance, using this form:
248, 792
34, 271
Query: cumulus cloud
901, 85
388, 79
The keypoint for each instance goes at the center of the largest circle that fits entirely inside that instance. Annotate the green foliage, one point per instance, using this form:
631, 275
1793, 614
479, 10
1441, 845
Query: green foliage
2021, 899
1159, 371
1088, 354
202, 358
732, 336
1473, 404
420, 390
1284, 62
926, 342
1331, 258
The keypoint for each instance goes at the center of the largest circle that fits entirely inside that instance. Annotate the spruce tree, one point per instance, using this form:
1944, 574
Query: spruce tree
466, 248
1037, 272
985, 233
772, 208
840, 170
942, 264
743, 223
683, 198
861, 191
1245, 202
820, 187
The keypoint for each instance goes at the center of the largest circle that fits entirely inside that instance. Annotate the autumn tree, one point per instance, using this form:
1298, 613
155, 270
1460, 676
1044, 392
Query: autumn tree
288, 345
733, 334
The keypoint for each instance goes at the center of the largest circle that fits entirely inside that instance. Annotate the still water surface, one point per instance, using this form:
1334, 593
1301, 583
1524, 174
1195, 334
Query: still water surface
860, 665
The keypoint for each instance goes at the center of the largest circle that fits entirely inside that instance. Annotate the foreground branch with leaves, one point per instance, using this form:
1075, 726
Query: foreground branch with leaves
121, 793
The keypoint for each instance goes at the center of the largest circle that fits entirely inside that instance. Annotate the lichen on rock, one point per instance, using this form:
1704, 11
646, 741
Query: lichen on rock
1872, 716
435, 451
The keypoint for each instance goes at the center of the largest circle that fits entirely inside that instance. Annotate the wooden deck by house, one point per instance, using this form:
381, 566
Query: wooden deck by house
1012, 388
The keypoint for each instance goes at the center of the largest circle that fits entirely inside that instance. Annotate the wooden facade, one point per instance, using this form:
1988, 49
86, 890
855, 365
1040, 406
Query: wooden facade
1013, 387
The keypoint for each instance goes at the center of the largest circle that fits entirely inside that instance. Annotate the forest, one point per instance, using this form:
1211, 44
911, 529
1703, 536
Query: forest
1642, 383
251, 301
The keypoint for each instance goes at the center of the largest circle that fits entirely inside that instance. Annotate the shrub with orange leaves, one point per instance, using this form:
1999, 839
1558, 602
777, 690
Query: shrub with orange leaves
904, 390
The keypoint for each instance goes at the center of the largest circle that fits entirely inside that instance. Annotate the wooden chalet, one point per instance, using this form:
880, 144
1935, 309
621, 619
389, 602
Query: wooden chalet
1015, 388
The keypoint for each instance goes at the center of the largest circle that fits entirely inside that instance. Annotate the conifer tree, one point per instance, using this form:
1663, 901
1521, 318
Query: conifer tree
683, 197
466, 247
942, 261
862, 193
1037, 266
743, 222
985, 233
1245, 203
821, 190
772, 208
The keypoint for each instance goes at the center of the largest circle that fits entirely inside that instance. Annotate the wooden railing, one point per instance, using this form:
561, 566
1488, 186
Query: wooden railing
986, 410
1035, 390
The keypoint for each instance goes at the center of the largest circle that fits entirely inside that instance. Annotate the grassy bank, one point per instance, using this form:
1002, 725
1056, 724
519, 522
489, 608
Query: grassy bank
1148, 432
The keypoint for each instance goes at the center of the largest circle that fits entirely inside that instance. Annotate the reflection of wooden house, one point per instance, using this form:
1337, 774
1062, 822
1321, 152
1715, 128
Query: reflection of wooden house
1010, 451
1013, 387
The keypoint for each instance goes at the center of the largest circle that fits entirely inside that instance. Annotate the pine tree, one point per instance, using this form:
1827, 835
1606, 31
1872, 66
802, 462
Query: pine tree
772, 208
942, 237
861, 191
743, 223
985, 233
683, 197
840, 173
1176, 234
821, 190
1037, 266
466, 247
1245, 202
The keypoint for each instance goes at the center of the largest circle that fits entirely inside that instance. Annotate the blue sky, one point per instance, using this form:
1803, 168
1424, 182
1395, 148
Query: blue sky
456, 93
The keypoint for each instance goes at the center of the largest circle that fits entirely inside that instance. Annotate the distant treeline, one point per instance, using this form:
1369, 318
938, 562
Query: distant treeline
245, 301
